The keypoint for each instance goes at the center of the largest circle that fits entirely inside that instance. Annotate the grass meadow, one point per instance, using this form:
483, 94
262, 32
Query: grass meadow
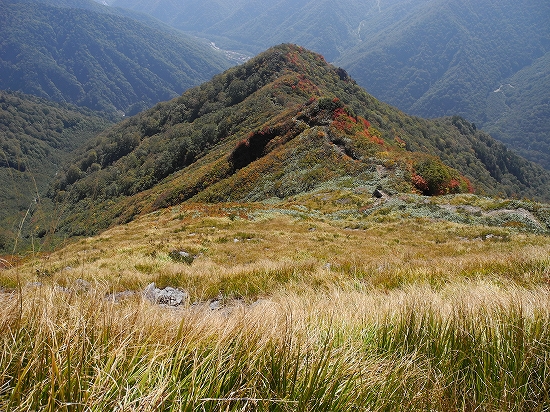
315, 313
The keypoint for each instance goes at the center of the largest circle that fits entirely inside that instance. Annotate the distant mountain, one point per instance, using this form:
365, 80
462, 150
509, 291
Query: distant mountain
325, 26
36, 136
449, 56
430, 58
284, 123
518, 111
101, 61
103, 8
189, 15
91, 5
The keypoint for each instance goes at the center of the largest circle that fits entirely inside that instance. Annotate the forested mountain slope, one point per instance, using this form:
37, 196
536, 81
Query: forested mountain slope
252, 26
430, 58
450, 57
36, 136
101, 61
518, 111
284, 123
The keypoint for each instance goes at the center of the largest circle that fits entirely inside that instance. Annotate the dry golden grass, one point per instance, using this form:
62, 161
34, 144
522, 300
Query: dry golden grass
317, 314
343, 348
263, 250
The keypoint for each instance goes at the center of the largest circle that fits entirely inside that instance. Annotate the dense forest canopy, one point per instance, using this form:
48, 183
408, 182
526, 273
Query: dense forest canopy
102, 61
36, 138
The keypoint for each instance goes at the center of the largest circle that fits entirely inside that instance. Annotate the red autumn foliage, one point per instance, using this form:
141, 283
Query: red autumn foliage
342, 120
400, 142
419, 182
375, 139
454, 186
470, 186
292, 57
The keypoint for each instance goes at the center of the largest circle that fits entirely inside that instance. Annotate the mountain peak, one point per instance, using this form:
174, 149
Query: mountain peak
289, 58
284, 123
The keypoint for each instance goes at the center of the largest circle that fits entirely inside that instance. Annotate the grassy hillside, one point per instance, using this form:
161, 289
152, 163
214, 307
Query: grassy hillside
36, 137
101, 61
288, 307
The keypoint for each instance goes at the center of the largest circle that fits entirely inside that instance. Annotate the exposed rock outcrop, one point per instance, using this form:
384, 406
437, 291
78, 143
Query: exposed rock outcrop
168, 296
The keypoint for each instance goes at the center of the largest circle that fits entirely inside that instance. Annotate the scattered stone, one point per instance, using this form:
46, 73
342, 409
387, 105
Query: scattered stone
181, 256
82, 285
171, 297
167, 296
216, 304
382, 171
260, 302
63, 289
380, 194
474, 210
149, 292
344, 201
117, 297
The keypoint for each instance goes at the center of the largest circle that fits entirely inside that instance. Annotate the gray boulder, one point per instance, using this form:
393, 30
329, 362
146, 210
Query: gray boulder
82, 285
167, 296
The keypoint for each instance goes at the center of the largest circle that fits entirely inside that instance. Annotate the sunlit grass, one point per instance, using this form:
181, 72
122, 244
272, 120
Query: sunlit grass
468, 345
317, 313
270, 248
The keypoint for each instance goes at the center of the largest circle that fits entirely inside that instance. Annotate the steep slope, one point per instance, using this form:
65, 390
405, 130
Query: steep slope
91, 5
36, 136
101, 61
283, 124
518, 111
429, 58
102, 8
448, 58
187, 15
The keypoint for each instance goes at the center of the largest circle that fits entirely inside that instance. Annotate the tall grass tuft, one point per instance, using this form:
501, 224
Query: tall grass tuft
495, 359
462, 347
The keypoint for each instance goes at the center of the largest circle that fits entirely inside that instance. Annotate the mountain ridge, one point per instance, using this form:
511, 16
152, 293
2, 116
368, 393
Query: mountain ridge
282, 124
430, 58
